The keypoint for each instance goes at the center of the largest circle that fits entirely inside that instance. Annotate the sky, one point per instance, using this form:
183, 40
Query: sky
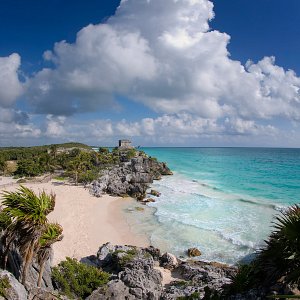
161, 73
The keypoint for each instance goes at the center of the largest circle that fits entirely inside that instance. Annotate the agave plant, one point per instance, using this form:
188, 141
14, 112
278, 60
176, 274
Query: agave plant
281, 257
52, 234
26, 217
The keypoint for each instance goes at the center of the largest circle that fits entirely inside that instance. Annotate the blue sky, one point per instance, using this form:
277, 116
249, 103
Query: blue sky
191, 72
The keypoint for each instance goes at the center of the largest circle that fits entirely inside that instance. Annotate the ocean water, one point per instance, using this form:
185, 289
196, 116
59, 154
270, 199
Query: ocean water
221, 200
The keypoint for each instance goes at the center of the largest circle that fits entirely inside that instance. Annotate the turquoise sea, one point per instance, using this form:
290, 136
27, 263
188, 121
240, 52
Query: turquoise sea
221, 200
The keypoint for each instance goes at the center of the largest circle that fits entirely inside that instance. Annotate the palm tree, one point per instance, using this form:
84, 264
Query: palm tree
52, 234
281, 257
80, 164
27, 214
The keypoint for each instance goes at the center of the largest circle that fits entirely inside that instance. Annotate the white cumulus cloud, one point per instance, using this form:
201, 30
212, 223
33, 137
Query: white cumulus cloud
10, 86
164, 55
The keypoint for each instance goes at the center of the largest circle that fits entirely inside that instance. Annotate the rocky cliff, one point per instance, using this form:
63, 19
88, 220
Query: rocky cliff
146, 274
129, 178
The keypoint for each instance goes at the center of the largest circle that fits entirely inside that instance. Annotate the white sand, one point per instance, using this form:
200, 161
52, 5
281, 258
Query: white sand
6, 181
88, 222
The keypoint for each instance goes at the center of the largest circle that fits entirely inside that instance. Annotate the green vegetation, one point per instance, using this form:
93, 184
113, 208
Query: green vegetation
4, 285
2, 165
78, 280
59, 178
24, 224
74, 160
243, 280
281, 257
125, 257
193, 296
279, 261
131, 153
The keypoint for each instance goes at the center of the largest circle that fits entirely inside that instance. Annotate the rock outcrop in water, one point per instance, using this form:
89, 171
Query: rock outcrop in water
129, 178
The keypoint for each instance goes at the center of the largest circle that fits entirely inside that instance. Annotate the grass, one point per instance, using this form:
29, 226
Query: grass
60, 178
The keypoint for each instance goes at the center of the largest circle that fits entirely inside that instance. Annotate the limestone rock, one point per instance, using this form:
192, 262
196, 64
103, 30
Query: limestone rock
148, 200
115, 290
193, 252
207, 274
45, 294
142, 279
168, 261
154, 252
129, 178
13, 289
109, 255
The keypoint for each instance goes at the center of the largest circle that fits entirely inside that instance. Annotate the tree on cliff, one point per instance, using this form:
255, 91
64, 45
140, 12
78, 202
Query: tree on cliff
26, 227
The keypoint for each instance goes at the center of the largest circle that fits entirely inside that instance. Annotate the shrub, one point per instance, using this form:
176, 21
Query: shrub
131, 153
4, 285
243, 280
88, 176
122, 258
27, 167
103, 150
76, 279
281, 257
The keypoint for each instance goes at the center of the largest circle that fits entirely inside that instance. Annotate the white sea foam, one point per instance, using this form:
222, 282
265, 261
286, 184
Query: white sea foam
235, 223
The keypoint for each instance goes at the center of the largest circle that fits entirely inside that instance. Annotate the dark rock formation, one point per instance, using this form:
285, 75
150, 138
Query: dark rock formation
155, 193
193, 252
168, 261
130, 178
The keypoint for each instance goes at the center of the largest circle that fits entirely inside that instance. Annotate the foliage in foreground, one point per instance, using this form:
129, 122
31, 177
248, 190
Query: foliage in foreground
280, 259
24, 225
78, 280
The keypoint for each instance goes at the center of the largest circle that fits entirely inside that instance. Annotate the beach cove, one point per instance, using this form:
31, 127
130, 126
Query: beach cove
87, 221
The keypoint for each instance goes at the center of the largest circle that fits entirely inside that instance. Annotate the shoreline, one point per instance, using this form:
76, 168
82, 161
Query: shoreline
87, 221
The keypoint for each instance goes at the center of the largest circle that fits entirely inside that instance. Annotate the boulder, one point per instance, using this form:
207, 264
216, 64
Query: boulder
168, 261
211, 275
45, 294
110, 256
11, 288
148, 200
155, 193
154, 252
115, 290
193, 252
143, 280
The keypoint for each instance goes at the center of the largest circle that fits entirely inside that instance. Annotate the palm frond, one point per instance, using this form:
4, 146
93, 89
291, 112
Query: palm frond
51, 234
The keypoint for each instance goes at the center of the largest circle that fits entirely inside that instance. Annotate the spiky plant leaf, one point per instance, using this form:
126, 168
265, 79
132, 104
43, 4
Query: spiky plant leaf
281, 257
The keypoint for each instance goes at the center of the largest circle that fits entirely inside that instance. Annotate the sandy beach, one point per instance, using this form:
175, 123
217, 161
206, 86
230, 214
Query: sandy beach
88, 222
